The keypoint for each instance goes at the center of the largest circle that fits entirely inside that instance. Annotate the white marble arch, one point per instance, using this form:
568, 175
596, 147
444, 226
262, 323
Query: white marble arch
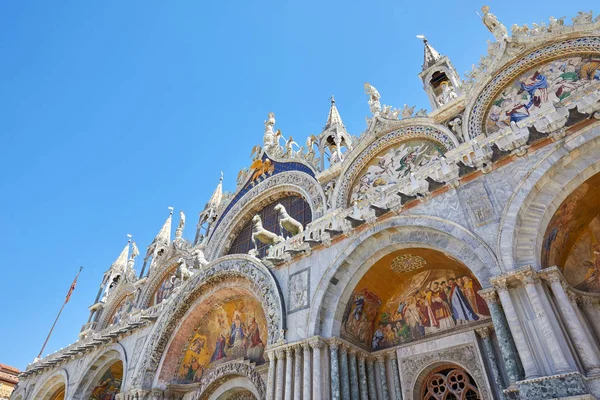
239, 272
50, 386
399, 232
283, 184
122, 290
97, 367
240, 382
538, 195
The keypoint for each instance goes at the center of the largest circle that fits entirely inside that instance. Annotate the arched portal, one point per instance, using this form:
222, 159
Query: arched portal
572, 238
447, 382
227, 325
408, 294
104, 377
404, 231
54, 388
232, 283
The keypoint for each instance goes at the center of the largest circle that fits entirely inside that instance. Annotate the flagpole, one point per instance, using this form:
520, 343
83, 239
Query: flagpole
58, 316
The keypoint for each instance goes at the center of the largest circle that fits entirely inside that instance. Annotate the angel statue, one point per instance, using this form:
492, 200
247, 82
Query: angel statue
181, 220
134, 251
374, 98
407, 112
269, 137
491, 22
289, 147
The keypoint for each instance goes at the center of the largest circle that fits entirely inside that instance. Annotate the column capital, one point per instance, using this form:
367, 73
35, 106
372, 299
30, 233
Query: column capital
334, 344
588, 301
500, 284
552, 275
316, 343
305, 346
391, 355
352, 351
361, 356
270, 355
280, 354
485, 331
527, 277
289, 351
489, 295
343, 347
380, 358
370, 359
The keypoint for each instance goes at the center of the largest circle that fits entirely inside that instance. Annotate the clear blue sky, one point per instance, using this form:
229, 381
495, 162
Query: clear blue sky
111, 111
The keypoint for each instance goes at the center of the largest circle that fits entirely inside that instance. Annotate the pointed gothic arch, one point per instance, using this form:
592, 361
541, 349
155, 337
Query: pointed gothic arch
246, 273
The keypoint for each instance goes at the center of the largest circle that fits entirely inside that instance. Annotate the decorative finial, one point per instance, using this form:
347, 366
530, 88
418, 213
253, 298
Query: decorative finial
221, 176
129, 236
422, 37
170, 210
332, 99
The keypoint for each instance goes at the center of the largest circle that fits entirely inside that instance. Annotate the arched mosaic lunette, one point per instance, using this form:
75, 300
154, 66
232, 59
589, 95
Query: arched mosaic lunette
155, 280
549, 182
290, 182
49, 386
428, 132
395, 233
250, 268
477, 109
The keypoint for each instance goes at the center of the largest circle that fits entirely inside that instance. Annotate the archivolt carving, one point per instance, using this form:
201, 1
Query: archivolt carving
156, 279
348, 176
123, 290
266, 289
477, 109
415, 366
289, 181
213, 378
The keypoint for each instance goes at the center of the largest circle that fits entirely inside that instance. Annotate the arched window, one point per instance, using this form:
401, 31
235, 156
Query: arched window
450, 384
296, 207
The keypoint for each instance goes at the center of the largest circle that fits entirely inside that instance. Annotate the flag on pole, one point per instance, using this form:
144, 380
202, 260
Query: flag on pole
73, 286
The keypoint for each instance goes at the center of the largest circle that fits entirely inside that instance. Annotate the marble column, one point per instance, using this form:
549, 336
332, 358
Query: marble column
354, 390
334, 369
507, 346
362, 377
485, 334
271, 375
371, 378
280, 374
527, 361
344, 372
297, 372
393, 357
583, 346
316, 387
530, 280
383, 376
306, 390
289, 373
592, 314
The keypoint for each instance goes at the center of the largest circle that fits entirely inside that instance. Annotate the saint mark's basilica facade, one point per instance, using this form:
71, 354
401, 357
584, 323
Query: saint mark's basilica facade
450, 254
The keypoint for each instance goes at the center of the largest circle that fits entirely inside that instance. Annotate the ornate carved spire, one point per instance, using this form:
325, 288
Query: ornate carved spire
334, 136
217, 195
334, 118
431, 55
121, 261
164, 235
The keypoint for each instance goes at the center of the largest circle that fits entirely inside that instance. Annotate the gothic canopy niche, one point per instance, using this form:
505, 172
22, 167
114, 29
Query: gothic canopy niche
572, 239
519, 91
268, 180
390, 159
409, 294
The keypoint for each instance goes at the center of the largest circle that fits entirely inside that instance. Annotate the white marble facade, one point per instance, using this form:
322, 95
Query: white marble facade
484, 197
